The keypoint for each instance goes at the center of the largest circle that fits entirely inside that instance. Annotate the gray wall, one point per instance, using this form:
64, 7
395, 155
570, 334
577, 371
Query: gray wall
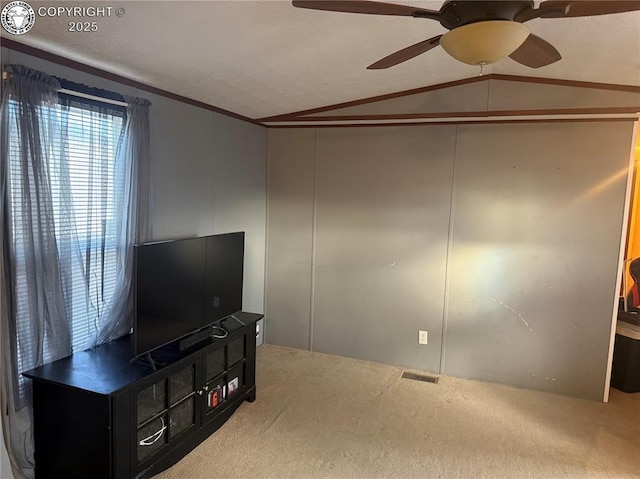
534, 253
291, 179
494, 238
381, 239
240, 198
208, 172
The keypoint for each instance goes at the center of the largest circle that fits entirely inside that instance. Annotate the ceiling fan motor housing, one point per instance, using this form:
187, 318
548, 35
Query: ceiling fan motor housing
456, 13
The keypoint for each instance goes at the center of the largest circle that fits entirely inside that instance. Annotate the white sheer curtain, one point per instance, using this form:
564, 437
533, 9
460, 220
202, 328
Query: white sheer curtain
71, 171
30, 273
133, 220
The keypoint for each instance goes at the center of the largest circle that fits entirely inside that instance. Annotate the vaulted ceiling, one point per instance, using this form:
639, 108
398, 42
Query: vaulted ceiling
267, 58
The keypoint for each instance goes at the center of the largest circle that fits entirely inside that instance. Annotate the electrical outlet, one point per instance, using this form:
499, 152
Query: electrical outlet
423, 337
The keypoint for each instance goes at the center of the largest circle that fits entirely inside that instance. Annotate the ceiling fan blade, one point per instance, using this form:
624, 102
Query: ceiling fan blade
535, 53
371, 8
580, 8
406, 54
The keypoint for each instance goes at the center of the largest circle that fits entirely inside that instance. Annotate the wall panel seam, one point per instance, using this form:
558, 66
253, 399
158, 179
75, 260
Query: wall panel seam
314, 221
266, 239
213, 179
447, 267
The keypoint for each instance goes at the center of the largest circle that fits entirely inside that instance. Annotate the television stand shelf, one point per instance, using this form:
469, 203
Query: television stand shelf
97, 414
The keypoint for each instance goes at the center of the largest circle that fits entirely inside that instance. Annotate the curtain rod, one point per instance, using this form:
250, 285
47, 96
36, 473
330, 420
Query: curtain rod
84, 95
92, 97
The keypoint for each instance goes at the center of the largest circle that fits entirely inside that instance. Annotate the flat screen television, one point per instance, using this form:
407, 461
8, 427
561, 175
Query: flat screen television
183, 286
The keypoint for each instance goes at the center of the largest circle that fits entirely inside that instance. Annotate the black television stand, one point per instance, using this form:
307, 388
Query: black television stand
147, 358
99, 415
195, 338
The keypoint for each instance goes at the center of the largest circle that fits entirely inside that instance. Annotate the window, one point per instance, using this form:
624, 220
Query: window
86, 185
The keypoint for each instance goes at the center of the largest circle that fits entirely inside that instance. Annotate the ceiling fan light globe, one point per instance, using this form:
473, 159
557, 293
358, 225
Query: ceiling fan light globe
482, 43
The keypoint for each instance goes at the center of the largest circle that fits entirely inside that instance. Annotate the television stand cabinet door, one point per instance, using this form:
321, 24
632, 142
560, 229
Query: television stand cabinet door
98, 415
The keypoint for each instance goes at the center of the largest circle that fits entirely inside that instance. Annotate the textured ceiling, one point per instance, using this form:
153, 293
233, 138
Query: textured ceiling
264, 58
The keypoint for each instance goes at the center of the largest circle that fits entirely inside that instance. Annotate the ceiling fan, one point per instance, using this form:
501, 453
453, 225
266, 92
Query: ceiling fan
480, 31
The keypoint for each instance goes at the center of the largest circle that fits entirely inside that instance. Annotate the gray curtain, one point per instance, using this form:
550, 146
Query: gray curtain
134, 207
28, 132
67, 263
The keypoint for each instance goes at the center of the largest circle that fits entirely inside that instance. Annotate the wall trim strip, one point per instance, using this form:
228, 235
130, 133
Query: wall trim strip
387, 96
454, 122
314, 237
492, 76
471, 114
447, 268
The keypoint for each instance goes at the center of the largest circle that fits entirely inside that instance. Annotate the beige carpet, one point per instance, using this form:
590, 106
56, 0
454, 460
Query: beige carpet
321, 416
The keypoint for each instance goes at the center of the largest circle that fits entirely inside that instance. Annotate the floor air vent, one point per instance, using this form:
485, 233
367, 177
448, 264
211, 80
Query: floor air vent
420, 377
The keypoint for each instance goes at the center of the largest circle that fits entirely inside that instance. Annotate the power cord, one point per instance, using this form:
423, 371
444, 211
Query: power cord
222, 335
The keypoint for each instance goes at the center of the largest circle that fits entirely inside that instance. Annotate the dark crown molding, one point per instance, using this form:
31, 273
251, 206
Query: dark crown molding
303, 114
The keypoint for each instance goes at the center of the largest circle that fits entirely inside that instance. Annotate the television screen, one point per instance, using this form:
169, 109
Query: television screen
169, 285
223, 276
184, 285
